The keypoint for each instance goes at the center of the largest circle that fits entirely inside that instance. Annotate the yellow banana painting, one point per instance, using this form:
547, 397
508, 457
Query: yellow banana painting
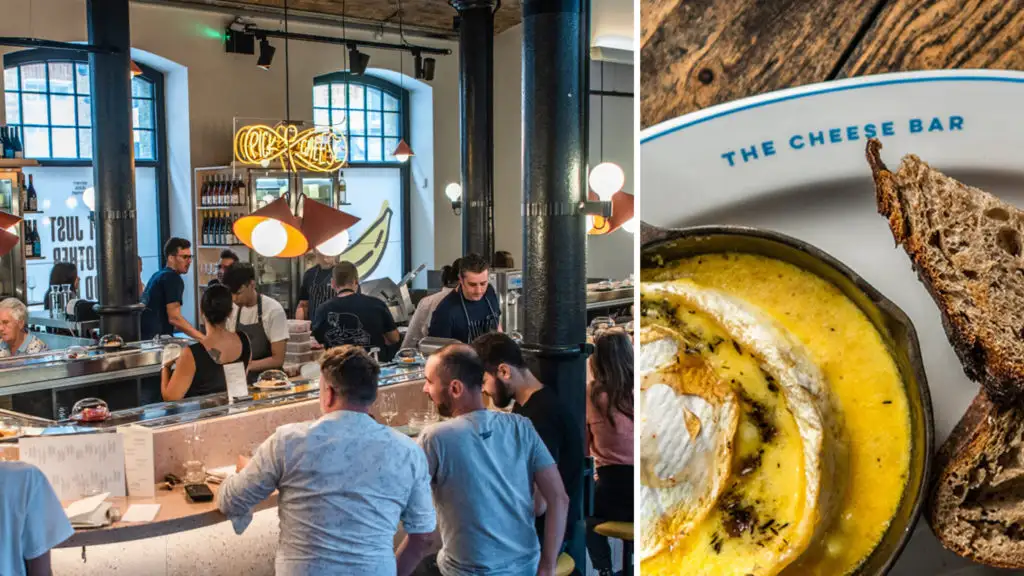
368, 250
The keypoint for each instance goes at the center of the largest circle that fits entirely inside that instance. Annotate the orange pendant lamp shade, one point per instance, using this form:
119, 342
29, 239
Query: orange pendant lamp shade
7, 240
136, 71
403, 152
622, 209
321, 223
272, 231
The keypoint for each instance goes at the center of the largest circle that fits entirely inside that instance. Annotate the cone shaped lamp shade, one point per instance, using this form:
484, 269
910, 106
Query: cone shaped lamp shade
320, 222
136, 71
8, 220
7, 242
403, 152
622, 210
268, 238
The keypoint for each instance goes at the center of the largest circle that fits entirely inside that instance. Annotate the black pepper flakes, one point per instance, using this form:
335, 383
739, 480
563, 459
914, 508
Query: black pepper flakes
887, 402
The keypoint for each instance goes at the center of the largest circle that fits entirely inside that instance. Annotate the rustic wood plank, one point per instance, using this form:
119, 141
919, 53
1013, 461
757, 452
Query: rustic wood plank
699, 53
931, 34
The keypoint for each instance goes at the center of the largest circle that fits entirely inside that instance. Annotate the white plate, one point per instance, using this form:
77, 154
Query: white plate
265, 386
824, 194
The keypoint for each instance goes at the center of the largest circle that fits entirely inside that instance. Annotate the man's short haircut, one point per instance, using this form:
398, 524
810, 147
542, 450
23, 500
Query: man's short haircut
352, 373
474, 263
173, 245
228, 253
461, 362
345, 273
495, 349
238, 276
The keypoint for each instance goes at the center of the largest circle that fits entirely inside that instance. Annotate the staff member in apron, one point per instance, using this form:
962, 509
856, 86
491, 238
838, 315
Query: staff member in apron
470, 311
259, 317
316, 287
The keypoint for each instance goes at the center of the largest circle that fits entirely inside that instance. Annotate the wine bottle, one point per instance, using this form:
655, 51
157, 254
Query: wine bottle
204, 190
206, 230
31, 199
26, 239
37, 241
222, 191
19, 148
6, 146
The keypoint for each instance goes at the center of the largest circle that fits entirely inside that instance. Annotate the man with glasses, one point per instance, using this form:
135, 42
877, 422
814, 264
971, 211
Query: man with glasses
227, 258
164, 290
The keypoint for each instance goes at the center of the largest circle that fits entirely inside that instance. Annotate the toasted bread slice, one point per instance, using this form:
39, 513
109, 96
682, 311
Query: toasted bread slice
966, 246
976, 506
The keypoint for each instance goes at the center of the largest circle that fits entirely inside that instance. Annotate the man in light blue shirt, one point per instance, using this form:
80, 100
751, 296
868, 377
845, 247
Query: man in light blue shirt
484, 465
32, 520
344, 483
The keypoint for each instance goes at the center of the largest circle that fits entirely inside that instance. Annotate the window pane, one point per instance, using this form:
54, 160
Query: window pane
372, 99
13, 107
355, 96
321, 117
357, 150
34, 109
142, 87
142, 113
357, 122
341, 148
62, 80
390, 124
374, 150
339, 119
389, 149
11, 78
85, 143
390, 103
338, 96
82, 78
144, 145
321, 96
37, 142
373, 123
84, 111
33, 77
62, 110
64, 143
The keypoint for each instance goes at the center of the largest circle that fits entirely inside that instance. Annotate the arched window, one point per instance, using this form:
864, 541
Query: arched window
370, 110
47, 96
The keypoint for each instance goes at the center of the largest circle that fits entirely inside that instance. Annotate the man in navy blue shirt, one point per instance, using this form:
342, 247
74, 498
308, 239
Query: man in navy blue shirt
472, 309
163, 294
353, 318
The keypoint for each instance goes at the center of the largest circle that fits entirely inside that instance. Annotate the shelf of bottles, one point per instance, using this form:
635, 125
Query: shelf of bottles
14, 195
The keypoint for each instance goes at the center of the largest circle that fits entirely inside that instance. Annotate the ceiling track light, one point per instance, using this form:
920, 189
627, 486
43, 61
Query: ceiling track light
266, 54
424, 66
357, 61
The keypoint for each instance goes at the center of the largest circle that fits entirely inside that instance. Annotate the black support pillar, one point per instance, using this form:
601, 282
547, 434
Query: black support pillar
113, 152
476, 123
554, 176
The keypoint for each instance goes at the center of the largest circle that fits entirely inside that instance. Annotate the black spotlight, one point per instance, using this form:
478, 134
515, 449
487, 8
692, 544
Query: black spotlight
428, 69
357, 61
266, 54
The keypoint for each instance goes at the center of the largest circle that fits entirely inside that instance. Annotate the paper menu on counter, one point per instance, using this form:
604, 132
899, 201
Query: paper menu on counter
141, 513
138, 460
238, 385
85, 506
78, 464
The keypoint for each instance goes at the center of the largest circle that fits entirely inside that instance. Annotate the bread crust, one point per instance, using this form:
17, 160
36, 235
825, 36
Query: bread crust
1002, 376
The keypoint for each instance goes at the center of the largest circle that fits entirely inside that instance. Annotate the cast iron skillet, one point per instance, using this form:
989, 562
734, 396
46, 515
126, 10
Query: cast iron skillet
666, 245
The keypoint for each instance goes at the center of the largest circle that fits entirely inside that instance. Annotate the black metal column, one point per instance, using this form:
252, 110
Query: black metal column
476, 123
113, 152
554, 176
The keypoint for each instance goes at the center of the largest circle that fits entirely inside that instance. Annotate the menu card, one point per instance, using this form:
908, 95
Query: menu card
238, 386
78, 465
138, 460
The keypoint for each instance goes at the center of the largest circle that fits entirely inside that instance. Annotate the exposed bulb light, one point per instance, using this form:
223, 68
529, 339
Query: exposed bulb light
269, 238
266, 54
89, 198
71, 202
453, 191
357, 61
630, 226
334, 245
606, 179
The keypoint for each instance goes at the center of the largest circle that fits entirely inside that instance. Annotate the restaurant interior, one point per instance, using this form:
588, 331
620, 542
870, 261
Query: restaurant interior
399, 136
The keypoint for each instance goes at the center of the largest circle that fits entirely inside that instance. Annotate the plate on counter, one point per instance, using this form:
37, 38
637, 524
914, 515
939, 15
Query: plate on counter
273, 385
794, 162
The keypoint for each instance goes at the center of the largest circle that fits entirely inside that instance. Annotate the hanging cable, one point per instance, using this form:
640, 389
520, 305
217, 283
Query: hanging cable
287, 87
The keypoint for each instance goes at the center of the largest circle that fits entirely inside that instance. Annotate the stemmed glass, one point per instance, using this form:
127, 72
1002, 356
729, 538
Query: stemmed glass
31, 289
388, 406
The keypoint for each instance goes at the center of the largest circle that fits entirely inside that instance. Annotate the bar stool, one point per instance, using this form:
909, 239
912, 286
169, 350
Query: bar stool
623, 531
565, 565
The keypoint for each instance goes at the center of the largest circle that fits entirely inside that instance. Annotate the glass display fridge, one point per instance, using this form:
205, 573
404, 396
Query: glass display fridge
12, 265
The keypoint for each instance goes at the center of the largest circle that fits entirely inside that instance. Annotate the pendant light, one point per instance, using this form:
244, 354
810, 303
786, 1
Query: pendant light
272, 231
136, 71
403, 151
326, 228
8, 232
606, 178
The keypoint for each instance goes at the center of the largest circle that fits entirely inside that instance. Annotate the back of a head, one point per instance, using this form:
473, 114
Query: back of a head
345, 274
216, 304
228, 254
173, 245
63, 273
503, 259
460, 362
238, 276
352, 373
612, 368
496, 348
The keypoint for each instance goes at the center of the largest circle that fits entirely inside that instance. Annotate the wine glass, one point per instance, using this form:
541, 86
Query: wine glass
31, 288
388, 406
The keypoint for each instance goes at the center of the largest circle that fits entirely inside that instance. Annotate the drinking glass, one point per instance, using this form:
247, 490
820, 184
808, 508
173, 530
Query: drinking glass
388, 406
31, 289
194, 471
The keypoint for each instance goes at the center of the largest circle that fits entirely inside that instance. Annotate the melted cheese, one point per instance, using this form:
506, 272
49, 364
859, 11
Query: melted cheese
868, 397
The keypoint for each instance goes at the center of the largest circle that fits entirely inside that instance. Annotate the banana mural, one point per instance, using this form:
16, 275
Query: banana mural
368, 250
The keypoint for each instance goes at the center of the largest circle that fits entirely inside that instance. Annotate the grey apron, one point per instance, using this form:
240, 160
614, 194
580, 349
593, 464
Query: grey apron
259, 344
319, 293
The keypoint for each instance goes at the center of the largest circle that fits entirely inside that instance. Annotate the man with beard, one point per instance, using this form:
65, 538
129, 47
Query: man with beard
483, 466
508, 381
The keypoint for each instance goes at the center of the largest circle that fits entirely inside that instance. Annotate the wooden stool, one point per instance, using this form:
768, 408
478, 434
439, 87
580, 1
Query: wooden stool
623, 531
565, 565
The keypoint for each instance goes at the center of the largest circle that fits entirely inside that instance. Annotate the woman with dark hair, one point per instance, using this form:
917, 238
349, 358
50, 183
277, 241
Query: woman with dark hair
503, 259
610, 438
200, 368
61, 273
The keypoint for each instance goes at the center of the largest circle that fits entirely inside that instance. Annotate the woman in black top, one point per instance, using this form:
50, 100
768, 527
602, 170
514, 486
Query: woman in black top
200, 368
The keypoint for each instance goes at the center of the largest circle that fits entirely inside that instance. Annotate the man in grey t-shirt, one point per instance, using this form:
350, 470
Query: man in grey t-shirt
484, 466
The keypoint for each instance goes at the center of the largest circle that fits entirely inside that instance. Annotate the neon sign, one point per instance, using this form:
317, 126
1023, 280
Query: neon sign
314, 149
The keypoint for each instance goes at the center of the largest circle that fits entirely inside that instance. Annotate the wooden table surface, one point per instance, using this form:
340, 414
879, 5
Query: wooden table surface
698, 53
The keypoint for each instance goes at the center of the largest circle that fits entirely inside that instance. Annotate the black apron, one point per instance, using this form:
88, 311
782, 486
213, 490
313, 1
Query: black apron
259, 344
319, 293
479, 327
